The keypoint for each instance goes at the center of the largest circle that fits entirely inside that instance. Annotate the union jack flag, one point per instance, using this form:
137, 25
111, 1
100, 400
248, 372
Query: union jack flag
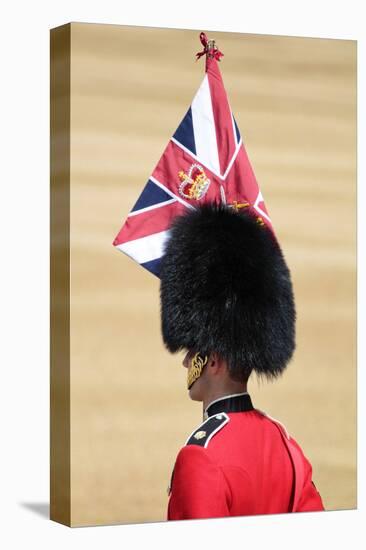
204, 161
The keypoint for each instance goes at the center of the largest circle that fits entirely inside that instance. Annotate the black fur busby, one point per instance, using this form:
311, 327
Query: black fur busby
225, 288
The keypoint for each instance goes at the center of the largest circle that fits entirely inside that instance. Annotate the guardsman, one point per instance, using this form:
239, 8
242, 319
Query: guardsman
227, 300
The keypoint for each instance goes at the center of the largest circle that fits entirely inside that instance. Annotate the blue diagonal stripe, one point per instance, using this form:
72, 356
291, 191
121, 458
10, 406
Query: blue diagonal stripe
152, 194
153, 266
236, 130
184, 133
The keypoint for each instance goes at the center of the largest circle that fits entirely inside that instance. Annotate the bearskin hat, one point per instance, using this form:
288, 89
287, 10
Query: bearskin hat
226, 288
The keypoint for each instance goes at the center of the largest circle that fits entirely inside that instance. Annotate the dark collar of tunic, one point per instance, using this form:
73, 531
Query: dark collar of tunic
239, 402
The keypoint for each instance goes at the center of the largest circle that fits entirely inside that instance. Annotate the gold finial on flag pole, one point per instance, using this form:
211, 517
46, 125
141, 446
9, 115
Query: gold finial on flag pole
209, 48
211, 43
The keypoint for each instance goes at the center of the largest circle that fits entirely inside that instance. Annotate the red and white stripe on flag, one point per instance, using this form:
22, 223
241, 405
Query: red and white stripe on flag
204, 161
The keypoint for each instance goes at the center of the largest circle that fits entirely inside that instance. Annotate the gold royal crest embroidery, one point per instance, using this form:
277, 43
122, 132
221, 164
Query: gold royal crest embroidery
194, 184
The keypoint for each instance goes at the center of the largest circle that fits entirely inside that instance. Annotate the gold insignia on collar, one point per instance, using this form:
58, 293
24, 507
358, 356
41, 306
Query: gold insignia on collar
200, 434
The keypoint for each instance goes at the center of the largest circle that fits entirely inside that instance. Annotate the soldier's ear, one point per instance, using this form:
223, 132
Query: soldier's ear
213, 360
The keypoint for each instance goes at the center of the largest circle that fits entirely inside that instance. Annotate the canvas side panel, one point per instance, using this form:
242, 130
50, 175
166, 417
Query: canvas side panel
60, 502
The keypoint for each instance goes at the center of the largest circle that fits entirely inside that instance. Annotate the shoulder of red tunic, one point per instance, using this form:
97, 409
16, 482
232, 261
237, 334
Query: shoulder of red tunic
203, 434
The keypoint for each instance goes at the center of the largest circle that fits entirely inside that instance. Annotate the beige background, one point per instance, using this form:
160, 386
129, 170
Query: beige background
295, 103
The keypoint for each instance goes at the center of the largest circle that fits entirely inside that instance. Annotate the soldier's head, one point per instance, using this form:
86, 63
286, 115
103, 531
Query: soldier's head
209, 377
226, 292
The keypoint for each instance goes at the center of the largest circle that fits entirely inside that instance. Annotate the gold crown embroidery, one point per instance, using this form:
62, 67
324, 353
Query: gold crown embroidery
194, 184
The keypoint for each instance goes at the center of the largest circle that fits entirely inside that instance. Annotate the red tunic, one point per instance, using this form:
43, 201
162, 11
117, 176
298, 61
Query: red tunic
238, 464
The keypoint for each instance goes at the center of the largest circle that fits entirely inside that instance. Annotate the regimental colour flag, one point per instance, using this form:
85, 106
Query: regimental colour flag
204, 161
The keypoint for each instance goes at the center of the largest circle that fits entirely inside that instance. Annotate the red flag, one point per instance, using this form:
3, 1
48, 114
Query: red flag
205, 160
